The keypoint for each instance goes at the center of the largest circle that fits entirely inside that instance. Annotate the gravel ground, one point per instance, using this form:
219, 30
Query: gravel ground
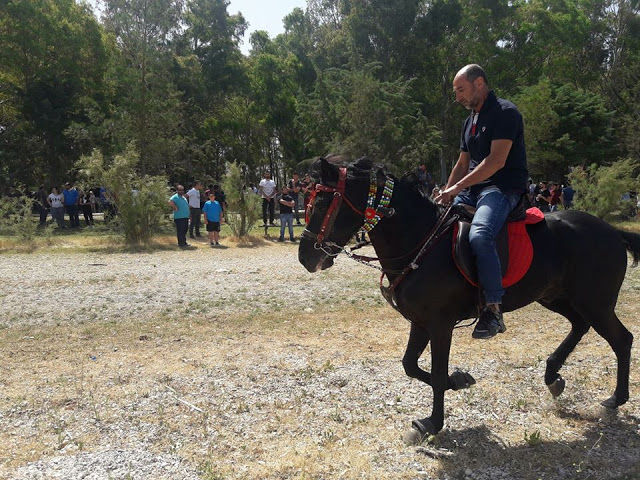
281, 374
70, 288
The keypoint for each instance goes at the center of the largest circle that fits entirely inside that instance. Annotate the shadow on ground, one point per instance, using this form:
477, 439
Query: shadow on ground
609, 449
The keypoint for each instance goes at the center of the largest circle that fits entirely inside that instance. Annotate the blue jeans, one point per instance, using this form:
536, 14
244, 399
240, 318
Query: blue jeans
286, 219
493, 207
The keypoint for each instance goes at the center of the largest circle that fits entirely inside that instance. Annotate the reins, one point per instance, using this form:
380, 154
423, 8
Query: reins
372, 215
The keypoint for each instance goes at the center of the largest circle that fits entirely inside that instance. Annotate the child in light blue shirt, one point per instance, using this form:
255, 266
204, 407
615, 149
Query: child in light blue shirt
212, 218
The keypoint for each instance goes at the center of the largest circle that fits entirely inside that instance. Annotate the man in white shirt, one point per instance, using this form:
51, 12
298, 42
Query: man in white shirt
267, 190
195, 212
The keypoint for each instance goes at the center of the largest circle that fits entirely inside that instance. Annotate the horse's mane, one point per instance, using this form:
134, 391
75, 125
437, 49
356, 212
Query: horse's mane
361, 169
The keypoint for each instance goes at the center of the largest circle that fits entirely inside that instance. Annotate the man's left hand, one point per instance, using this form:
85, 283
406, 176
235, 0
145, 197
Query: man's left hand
446, 196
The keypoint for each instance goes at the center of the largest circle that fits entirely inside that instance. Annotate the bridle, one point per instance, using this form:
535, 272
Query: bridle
330, 217
372, 216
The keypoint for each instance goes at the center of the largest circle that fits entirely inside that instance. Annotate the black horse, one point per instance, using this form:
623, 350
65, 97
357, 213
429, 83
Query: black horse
587, 255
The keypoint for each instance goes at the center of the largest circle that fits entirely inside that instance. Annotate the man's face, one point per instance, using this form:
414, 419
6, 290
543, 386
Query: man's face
181, 191
285, 190
198, 186
267, 176
466, 92
295, 177
212, 196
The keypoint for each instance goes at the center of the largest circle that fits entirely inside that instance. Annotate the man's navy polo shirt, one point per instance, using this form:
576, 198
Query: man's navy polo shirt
498, 119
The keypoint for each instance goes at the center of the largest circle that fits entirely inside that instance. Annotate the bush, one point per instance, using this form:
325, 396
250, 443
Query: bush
140, 201
599, 190
16, 217
243, 205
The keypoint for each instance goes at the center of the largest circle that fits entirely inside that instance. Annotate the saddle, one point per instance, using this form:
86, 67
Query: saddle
512, 243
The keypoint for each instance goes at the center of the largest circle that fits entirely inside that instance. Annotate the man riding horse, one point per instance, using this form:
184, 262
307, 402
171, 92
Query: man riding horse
491, 175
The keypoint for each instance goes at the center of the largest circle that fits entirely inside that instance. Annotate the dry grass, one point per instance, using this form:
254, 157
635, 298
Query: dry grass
286, 394
70, 389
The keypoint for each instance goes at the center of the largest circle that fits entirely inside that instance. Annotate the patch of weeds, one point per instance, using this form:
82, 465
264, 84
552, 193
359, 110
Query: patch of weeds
208, 471
328, 437
242, 407
328, 366
337, 417
534, 439
520, 405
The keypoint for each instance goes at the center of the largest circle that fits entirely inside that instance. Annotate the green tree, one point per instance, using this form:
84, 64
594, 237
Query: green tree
147, 107
53, 61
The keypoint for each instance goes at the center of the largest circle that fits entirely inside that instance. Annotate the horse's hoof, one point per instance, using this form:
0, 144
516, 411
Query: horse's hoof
412, 437
613, 402
459, 380
557, 387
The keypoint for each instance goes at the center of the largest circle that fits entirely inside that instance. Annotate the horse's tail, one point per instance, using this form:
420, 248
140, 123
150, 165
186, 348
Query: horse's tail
632, 244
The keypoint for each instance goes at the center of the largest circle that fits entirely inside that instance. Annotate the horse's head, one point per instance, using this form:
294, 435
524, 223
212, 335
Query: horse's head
335, 212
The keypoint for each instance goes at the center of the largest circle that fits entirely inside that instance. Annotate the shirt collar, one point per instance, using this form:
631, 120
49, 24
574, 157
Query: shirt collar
490, 100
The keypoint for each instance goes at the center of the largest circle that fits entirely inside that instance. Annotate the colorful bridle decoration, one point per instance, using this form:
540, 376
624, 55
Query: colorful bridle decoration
372, 214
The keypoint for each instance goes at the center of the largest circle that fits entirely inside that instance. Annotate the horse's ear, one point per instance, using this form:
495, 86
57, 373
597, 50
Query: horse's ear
381, 176
328, 171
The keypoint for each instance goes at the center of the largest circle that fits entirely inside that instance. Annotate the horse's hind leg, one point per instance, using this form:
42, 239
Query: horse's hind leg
620, 339
556, 360
418, 341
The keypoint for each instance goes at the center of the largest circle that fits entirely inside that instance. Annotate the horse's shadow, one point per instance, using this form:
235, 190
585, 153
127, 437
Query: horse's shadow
608, 449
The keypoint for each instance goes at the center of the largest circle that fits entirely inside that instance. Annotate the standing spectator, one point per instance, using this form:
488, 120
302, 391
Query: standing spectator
286, 214
212, 218
567, 197
87, 211
267, 189
71, 200
43, 205
295, 185
56, 202
221, 198
92, 201
307, 187
180, 207
543, 197
554, 201
424, 177
193, 196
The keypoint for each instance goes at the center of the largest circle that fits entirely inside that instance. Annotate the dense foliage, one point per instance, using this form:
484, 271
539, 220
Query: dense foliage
362, 77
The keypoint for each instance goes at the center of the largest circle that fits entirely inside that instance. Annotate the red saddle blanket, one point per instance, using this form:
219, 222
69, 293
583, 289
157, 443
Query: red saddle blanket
515, 250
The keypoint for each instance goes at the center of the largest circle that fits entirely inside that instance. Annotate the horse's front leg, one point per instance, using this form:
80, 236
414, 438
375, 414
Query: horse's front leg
440, 347
418, 341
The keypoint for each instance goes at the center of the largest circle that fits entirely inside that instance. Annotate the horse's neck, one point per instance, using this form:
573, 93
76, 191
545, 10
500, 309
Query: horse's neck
401, 234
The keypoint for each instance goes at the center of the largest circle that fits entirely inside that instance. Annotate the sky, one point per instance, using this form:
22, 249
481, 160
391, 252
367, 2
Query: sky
264, 15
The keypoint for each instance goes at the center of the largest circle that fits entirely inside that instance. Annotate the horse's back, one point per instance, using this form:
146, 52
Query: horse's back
585, 257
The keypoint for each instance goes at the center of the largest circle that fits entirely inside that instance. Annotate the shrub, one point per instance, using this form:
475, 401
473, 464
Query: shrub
599, 190
243, 205
140, 201
16, 217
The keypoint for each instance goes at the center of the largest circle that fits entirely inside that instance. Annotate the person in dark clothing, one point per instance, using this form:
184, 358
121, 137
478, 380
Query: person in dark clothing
87, 211
544, 197
490, 174
286, 214
43, 204
294, 186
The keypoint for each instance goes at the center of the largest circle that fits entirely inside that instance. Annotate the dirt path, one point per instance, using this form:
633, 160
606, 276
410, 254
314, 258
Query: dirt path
236, 363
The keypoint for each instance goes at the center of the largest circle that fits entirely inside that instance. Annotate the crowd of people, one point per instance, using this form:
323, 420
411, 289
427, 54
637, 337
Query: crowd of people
72, 200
